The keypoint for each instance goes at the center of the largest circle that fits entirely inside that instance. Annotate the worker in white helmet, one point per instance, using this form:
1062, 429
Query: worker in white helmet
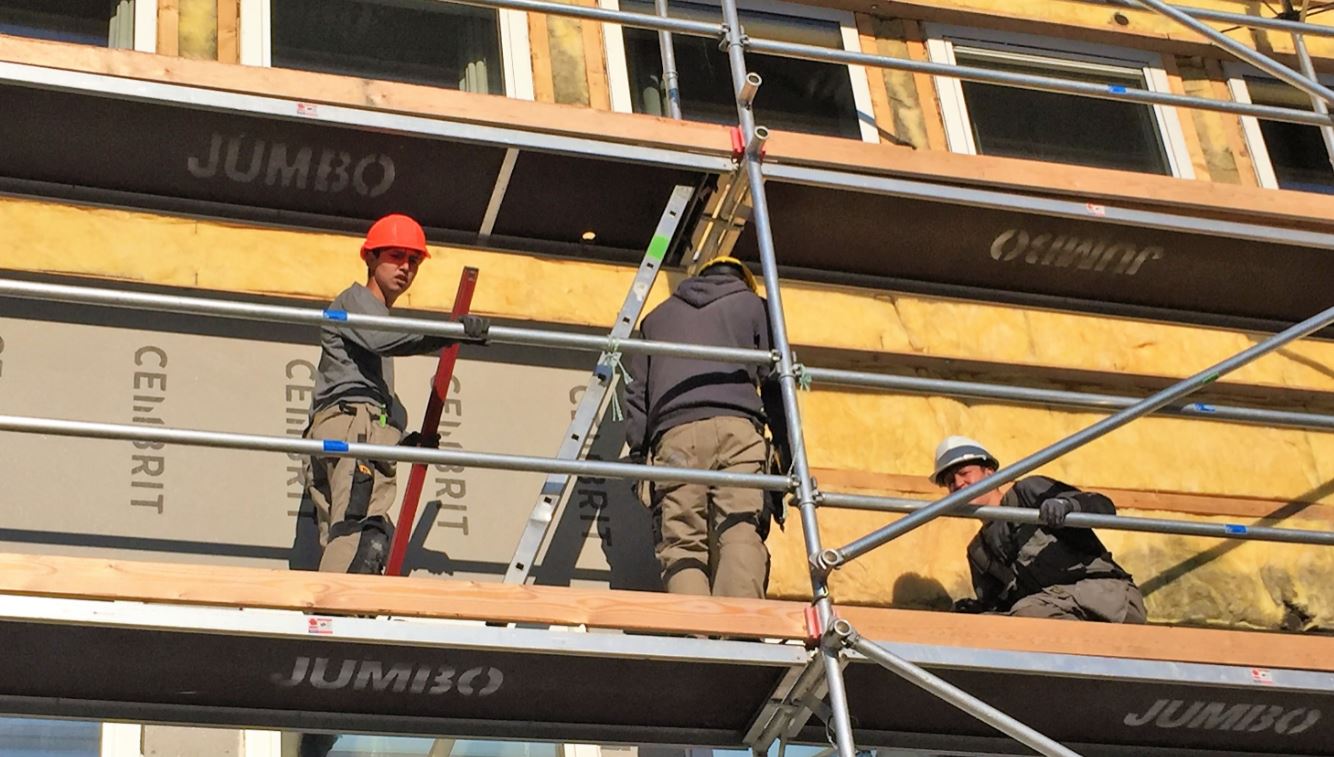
1038, 571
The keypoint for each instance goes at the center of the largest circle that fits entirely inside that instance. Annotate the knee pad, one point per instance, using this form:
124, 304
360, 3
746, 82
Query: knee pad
373, 547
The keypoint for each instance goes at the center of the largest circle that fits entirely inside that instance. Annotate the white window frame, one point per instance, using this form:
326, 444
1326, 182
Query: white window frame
954, 110
145, 26
515, 53
1236, 73
618, 72
122, 740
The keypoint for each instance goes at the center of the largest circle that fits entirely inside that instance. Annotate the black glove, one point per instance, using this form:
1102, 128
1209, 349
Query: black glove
417, 439
475, 327
1052, 511
970, 606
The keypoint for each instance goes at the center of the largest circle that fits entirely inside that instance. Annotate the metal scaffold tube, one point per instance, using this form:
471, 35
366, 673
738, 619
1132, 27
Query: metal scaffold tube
805, 493
832, 558
313, 317
1031, 81
591, 343
624, 18
337, 448
951, 694
1259, 60
1060, 398
597, 468
1088, 520
671, 85
1254, 22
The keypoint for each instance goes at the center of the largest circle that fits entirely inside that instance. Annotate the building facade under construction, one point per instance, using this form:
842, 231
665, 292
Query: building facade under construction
1095, 235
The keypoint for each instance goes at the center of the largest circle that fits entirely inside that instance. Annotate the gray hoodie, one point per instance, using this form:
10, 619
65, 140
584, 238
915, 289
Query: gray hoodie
666, 392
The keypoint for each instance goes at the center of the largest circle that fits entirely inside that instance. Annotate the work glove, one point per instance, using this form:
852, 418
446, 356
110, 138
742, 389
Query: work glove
418, 439
1052, 511
475, 327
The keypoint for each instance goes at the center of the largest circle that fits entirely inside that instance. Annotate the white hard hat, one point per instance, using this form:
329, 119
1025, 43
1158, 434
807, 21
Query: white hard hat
960, 449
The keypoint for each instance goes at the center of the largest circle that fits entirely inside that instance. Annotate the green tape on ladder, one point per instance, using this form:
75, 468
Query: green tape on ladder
658, 247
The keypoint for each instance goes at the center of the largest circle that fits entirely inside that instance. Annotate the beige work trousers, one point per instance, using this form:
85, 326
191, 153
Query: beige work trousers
1108, 600
352, 497
706, 537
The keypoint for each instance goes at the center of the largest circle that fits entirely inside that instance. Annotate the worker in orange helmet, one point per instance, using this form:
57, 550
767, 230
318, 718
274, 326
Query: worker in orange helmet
354, 400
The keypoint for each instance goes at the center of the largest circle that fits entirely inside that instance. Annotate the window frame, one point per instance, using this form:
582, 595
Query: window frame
1236, 73
515, 54
941, 40
618, 71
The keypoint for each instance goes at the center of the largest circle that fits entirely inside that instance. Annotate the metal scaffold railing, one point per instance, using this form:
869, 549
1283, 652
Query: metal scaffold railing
836, 636
566, 340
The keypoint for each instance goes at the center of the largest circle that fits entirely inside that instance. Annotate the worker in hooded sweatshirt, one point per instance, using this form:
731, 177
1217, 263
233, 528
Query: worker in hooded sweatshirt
354, 401
708, 415
1046, 570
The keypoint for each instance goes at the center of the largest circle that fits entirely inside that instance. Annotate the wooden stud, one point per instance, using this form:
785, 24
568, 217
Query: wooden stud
929, 99
168, 25
1236, 136
540, 45
595, 63
881, 109
1190, 126
229, 31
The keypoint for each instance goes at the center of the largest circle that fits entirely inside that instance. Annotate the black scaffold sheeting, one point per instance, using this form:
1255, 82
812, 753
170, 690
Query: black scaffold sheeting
1102, 713
241, 680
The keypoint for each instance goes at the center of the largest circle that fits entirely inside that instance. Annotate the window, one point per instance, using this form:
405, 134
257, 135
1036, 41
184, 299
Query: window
1287, 155
438, 44
20, 737
991, 119
797, 95
106, 23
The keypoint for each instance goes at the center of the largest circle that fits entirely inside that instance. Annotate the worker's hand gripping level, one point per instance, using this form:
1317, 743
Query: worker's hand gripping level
444, 374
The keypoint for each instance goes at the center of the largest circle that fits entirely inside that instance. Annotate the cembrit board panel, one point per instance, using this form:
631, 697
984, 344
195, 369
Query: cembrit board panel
146, 501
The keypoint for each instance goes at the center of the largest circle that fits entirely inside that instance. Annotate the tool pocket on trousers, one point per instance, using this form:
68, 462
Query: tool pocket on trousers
363, 485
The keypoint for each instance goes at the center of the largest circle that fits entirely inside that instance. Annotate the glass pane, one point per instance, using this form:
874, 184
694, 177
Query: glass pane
84, 21
1297, 152
49, 738
1059, 128
421, 41
353, 745
797, 95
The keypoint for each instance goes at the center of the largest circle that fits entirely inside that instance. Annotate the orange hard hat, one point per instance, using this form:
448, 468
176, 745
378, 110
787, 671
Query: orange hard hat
395, 230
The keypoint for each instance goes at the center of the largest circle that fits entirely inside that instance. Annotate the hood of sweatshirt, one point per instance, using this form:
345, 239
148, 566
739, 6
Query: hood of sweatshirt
698, 291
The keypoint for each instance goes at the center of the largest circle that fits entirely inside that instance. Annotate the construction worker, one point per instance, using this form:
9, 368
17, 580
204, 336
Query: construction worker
709, 415
1038, 571
354, 401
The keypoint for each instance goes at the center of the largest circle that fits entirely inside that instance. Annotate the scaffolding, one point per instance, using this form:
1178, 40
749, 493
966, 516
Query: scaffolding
834, 637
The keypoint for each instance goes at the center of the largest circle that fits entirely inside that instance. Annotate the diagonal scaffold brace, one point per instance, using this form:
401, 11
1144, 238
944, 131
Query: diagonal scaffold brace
842, 635
830, 559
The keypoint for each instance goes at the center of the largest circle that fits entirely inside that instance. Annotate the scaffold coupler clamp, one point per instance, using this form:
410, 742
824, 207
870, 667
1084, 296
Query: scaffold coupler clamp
752, 144
841, 634
826, 561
